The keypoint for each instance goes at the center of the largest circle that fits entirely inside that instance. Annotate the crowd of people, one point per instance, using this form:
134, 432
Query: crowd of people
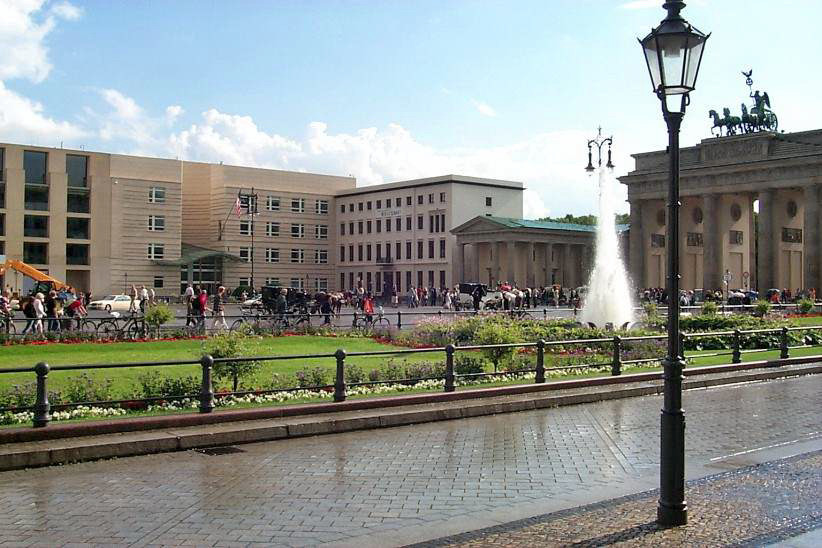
54, 311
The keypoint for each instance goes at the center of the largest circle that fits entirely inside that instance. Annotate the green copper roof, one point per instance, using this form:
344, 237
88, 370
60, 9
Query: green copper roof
548, 225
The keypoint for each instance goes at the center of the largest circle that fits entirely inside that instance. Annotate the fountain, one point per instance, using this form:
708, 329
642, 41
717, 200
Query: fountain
608, 302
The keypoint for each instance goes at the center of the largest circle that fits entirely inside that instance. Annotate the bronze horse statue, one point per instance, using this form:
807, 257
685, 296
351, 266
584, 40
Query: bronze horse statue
717, 123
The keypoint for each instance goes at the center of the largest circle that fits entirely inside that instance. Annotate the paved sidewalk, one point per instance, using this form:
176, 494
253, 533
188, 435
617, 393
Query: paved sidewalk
764, 504
408, 484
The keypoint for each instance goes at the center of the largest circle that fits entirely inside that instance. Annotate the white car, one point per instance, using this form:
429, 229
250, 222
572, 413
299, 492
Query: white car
113, 302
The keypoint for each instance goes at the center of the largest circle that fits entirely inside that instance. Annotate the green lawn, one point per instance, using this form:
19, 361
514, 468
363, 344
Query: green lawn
125, 378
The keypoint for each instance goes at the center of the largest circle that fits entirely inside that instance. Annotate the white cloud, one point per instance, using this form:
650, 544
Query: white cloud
641, 4
173, 112
67, 11
23, 120
484, 108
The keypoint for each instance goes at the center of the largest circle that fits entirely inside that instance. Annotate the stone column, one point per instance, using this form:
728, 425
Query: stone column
765, 268
636, 246
511, 260
566, 265
459, 262
810, 237
712, 263
547, 263
750, 243
530, 261
477, 274
495, 269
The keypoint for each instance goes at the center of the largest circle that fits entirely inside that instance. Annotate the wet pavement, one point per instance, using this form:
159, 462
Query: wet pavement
412, 484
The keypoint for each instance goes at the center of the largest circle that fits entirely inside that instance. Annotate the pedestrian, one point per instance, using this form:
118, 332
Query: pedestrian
143, 299
132, 306
152, 296
218, 307
51, 311
202, 299
39, 312
30, 314
188, 298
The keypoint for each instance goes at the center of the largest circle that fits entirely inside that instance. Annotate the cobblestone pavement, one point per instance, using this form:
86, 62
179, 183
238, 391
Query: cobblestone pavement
400, 485
752, 506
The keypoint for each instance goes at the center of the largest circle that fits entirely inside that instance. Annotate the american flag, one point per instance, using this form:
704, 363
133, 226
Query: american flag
238, 208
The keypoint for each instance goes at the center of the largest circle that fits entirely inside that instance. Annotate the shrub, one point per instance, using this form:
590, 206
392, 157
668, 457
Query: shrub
467, 364
374, 375
155, 385
82, 388
710, 308
761, 308
651, 311
354, 373
231, 345
313, 376
804, 306
158, 315
424, 370
497, 333
394, 370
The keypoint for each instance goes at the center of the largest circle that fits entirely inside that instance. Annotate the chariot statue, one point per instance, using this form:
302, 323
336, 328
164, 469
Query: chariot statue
760, 117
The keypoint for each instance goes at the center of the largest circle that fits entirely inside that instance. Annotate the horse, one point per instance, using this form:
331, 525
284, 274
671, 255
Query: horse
750, 122
767, 118
717, 122
731, 122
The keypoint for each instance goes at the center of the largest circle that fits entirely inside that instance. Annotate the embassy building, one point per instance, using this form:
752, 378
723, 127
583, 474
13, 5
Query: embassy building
103, 222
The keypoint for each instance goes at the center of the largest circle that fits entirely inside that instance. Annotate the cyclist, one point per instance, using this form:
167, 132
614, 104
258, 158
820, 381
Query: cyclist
5, 309
75, 309
368, 307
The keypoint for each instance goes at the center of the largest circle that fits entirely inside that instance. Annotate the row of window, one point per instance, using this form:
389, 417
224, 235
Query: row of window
38, 253
382, 282
35, 166
37, 226
272, 229
298, 256
397, 202
364, 252
248, 204
36, 198
436, 224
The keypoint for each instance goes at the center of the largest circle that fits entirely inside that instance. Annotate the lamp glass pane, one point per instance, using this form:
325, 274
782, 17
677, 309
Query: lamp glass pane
674, 56
651, 58
694, 58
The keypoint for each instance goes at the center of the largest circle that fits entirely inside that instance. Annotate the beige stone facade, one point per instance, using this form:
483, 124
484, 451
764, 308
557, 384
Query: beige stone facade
723, 181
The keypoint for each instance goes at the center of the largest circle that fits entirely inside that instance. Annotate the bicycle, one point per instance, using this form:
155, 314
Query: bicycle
133, 328
7, 324
372, 321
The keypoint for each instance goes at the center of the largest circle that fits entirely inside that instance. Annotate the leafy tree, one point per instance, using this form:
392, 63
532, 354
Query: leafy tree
590, 220
231, 345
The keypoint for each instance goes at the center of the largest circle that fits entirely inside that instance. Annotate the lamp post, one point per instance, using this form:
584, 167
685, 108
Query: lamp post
673, 53
598, 142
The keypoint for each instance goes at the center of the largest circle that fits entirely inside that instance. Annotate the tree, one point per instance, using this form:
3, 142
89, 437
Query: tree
589, 220
231, 345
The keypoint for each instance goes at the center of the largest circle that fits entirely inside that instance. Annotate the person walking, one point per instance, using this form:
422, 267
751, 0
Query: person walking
143, 299
218, 307
5, 309
39, 313
132, 306
202, 303
188, 298
53, 324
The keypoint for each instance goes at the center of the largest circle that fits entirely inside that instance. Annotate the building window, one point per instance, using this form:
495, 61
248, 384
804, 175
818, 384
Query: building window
36, 226
736, 237
297, 255
419, 199
388, 225
37, 197
77, 200
157, 195
272, 229
159, 282
342, 253
77, 170
245, 203
272, 203
321, 207
379, 226
272, 281
379, 253
408, 250
408, 223
297, 283
244, 282
442, 197
430, 224
430, 249
351, 253
342, 229
77, 228
34, 164
359, 227
368, 205
379, 281
379, 204
442, 222
351, 207
419, 222
77, 254
2, 225
245, 254
359, 206
156, 251
359, 252
430, 198
442, 249
437, 220
408, 200
320, 256
35, 253
398, 251
298, 230
321, 232
368, 227
342, 281
321, 284
272, 255
157, 223
695, 239
792, 235
342, 208
298, 205
397, 202
351, 228
657, 240
419, 249
398, 223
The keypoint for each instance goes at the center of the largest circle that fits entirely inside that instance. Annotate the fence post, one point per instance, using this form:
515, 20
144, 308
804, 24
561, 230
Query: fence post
783, 344
439, 313
544, 313
616, 363
736, 357
399, 319
449, 368
41, 406
339, 383
206, 388
540, 378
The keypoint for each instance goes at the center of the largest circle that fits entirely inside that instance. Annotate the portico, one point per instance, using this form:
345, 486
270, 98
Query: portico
524, 253
723, 182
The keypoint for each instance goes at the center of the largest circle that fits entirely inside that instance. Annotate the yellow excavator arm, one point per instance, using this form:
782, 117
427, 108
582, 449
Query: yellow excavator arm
31, 272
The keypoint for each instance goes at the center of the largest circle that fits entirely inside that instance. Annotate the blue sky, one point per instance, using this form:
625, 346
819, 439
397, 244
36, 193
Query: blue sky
387, 90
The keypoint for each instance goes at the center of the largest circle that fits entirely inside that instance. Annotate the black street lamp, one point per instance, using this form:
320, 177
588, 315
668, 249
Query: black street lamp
673, 53
598, 142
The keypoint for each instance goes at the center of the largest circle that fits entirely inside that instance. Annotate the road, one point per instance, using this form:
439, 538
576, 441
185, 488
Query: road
402, 485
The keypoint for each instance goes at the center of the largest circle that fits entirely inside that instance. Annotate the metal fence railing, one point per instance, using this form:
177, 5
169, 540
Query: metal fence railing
613, 347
